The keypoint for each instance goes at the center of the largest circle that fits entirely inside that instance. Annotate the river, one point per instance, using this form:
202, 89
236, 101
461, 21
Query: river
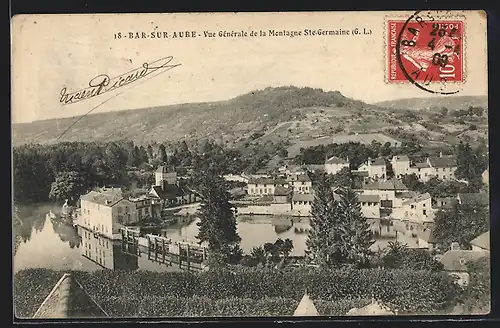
49, 242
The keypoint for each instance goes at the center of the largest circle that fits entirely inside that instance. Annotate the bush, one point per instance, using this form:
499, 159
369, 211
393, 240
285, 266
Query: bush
404, 290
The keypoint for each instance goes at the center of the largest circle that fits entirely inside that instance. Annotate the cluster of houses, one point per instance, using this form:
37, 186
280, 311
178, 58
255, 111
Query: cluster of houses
106, 210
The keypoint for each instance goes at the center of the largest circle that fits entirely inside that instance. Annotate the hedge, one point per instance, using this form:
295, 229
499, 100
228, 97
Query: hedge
403, 290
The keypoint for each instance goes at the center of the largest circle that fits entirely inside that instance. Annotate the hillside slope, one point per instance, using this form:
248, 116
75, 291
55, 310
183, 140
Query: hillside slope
452, 102
231, 119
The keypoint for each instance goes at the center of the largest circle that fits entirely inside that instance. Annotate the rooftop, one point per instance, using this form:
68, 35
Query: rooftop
378, 161
68, 299
482, 241
422, 165
401, 158
168, 191
336, 160
369, 198
392, 184
374, 308
267, 181
303, 197
480, 198
280, 191
306, 307
456, 260
443, 161
427, 235
418, 198
102, 198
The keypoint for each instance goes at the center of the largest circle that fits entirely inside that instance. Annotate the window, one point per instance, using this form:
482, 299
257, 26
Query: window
252, 191
423, 205
412, 206
303, 183
424, 212
265, 190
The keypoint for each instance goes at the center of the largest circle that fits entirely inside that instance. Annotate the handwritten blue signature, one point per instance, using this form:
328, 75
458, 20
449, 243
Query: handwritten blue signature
103, 83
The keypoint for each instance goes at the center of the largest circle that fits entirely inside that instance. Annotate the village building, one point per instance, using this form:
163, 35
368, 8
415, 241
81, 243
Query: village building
375, 308
281, 195
426, 239
400, 165
443, 203
455, 263
264, 186
442, 167
106, 212
168, 190
68, 299
376, 168
423, 171
370, 206
301, 183
417, 209
387, 190
481, 243
146, 207
301, 203
334, 165
306, 307
315, 168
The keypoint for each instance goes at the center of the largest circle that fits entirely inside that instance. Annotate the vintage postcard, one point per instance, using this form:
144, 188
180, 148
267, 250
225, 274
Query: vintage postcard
250, 164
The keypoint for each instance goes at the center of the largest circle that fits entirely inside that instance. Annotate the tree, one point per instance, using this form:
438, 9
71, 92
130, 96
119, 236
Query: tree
217, 224
470, 166
324, 240
342, 178
68, 185
443, 111
412, 182
150, 152
461, 223
143, 155
399, 256
283, 152
356, 235
162, 154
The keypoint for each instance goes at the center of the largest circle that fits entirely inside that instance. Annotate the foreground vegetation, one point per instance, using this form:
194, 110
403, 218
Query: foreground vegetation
244, 291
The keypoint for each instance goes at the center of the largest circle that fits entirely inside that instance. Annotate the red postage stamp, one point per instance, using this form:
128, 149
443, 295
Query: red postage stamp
425, 51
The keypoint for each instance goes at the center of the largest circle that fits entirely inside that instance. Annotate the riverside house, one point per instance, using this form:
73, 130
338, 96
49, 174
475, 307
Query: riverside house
168, 190
264, 186
455, 263
105, 212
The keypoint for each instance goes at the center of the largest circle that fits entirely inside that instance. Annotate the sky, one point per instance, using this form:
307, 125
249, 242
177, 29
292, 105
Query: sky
52, 52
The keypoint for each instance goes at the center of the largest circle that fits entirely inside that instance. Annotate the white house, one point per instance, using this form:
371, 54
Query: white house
442, 167
376, 168
418, 209
105, 212
400, 165
386, 190
370, 206
301, 183
333, 165
301, 203
264, 186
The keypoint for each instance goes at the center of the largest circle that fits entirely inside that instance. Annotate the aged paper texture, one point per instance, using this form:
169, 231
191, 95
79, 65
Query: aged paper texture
250, 164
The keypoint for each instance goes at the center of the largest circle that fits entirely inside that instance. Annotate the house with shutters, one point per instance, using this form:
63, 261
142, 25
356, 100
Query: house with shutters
264, 186
106, 211
442, 167
388, 191
376, 168
301, 184
334, 165
400, 165
417, 209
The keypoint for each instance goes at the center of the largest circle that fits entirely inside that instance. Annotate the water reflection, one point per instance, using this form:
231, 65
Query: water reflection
113, 255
